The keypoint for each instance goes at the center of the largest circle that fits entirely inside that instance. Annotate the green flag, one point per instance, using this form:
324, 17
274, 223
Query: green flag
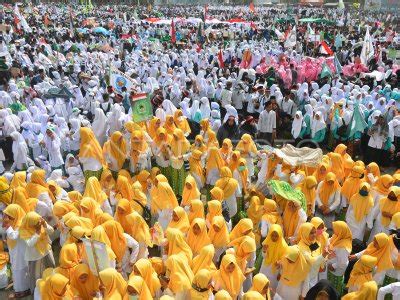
141, 108
325, 72
358, 123
286, 191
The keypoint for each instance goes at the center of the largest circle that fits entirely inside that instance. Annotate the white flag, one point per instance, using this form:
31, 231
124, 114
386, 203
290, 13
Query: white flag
118, 80
367, 51
291, 38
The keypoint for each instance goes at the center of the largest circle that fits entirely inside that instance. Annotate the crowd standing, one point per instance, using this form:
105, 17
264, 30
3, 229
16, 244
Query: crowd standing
195, 202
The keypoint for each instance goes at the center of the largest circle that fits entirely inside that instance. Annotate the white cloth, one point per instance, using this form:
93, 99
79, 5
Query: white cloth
267, 121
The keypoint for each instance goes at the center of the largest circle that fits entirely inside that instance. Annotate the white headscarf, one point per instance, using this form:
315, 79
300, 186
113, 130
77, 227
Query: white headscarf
205, 108
317, 125
19, 148
168, 107
297, 124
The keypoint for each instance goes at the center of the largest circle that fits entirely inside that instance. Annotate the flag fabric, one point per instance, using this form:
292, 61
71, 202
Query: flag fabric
279, 34
246, 59
19, 19
358, 124
325, 49
118, 80
173, 32
338, 66
290, 41
141, 108
252, 8
367, 51
221, 59
325, 72
286, 191
340, 4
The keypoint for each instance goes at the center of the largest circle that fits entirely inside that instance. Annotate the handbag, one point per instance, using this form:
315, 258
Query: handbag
146, 213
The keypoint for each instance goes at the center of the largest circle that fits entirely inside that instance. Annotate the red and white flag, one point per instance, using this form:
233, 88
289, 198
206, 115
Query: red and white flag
324, 49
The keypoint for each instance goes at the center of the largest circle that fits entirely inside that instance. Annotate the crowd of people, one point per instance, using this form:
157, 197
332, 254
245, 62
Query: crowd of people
195, 202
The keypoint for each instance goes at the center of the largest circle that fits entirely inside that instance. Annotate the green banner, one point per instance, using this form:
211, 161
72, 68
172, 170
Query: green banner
286, 191
141, 108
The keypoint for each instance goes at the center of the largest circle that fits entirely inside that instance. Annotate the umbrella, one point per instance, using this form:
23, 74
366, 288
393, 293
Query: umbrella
101, 30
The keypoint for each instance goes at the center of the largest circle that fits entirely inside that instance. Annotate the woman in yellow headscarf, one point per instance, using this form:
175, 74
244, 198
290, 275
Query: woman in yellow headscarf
197, 236
340, 244
322, 236
243, 227
337, 166
201, 286
274, 249
360, 205
68, 260
261, 285
75, 197
229, 277
212, 139
12, 219
107, 181
83, 283
213, 165
169, 124
234, 160
367, 291
99, 234
196, 168
163, 200
205, 129
27, 204
190, 191
124, 208
196, 210
137, 287
230, 187
38, 248
226, 151
372, 173
255, 211
245, 249
154, 124
269, 217
293, 217
179, 274
6, 192
139, 199
176, 243
115, 152
214, 209
38, 188
140, 231
321, 171
90, 209
113, 285
118, 242
248, 151
328, 198
241, 174
294, 270
219, 235
160, 148
143, 177
351, 184
139, 151
19, 180
362, 272
144, 269
93, 190
179, 220
199, 144
181, 122
382, 186
90, 154
223, 295
56, 287
342, 150
204, 260
123, 190
308, 188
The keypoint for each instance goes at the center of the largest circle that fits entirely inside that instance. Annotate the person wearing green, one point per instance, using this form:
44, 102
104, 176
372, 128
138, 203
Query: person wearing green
318, 128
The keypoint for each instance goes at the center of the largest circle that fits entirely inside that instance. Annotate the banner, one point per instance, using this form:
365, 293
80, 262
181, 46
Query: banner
141, 108
118, 80
286, 191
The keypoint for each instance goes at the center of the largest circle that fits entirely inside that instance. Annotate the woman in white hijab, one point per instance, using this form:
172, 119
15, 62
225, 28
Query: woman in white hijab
231, 111
205, 108
115, 118
74, 137
297, 126
20, 152
99, 126
168, 107
318, 128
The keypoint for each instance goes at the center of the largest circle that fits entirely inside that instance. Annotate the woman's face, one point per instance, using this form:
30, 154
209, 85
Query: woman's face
376, 245
188, 185
330, 182
131, 291
83, 278
216, 228
265, 289
230, 268
158, 123
322, 295
274, 236
196, 229
313, 234
85, 210
246, 232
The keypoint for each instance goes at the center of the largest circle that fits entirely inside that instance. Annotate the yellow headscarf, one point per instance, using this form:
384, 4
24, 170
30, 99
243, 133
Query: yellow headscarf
214, 209
214, 160
107, 181
389, 206
169, 124
53, 287
19, 180
138, 145
352, 183
223, 295
337, 166
231, 282
196, 166
243, 227
304, 241
200, 287
92, 209
177, 243
100, 235
260, 282
244, 247
60, 208
382, 251
217, 194
234, 161
253, 295
274, 250
383, 184
342, 237
362, 205
183, 223
124, 208
180, 275
74, 220
6, 192
321, 171
19, 197
139, 229
362, 270
367, 291
89, 146
212, 139
115, 285
198, 241
291, 218
396, 220
93, 190
196, 210
138, 197
143, 177
154, 124
219, 238
27, 230
37, 184
322, 238
271, 214
85, 289
308, 188
243, 174
123, 189
199, 144
295, 268
144, 268
226, 149
372, 168
118, 242
326, 190
17, 214
69, 259
140, 286
204, 260
246, 145
179, 144
163, 197
190, 191
116, 147
227, 183
255, 210
181, 123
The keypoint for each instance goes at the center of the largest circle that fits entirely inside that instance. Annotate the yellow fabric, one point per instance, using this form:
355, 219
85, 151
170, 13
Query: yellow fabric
388, 206
89, 146
163, 197
138, 145
383, 184
138, 196
223, 295
60, 208
342, 237
123, 189
212, 139
144, 268
154, 124
143, 177
181, 124
139, 229
17, 214
234, 161
179, 144
214, 209
226, 149
244, 247
396, 220
244, 174
217, 194
177, 243
116, 148
337, 166
140, 287
253, 295
85, 289
107, 181
169, 124
99, 234
219, 238
19, 197
37, 184
372, 168
367, 291
93, 190
362, 205
5, 191
201, 281
290, 219
352, 183
362, 271
180, 275
54, 190
321, 171
196, 210
196, 166
27, 230
326, 190
115, 233
242, 228
92, 209
19, 180
255, 210
246, 145
303, 236
273, 161
271, 214
227, 183
199, 144
190, 191
231, 282
53, 287
274, 250
197, 241
68, 260
295, 268
260, 281
382, 252
204, 260
308, 188
182, 223
214, 160
324, 236
115, 285
124, 208
75, 220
